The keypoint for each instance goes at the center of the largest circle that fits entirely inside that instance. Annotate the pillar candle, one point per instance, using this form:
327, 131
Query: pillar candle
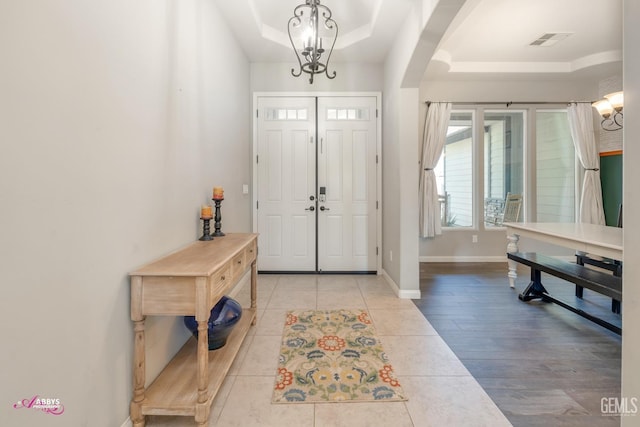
206, 212
218, 193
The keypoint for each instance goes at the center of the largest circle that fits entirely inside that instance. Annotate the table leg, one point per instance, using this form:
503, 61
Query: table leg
512, 246
202, 354
202, 414
203, 360
135, 408
202, 351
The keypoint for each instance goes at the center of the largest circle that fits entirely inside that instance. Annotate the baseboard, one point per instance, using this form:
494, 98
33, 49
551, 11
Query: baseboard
410, 294
401, 293
391, 282
500, 258
127, 423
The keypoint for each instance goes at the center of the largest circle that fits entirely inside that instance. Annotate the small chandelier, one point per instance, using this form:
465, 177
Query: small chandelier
610, 108
306, 31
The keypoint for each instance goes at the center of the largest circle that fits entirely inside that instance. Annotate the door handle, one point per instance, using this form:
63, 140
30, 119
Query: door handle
322, 208
311, 208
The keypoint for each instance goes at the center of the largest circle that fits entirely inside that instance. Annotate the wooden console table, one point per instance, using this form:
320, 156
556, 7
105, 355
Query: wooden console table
186, 283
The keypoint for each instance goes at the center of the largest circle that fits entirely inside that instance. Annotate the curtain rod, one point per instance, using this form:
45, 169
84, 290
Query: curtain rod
509, 103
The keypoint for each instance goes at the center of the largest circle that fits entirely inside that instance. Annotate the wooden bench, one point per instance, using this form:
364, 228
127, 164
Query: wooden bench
613, 266
598, 281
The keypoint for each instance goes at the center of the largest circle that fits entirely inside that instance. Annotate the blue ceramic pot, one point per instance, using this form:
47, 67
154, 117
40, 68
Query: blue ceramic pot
224, 316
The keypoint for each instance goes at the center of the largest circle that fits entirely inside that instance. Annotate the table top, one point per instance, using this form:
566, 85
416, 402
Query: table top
582, 236
200, 258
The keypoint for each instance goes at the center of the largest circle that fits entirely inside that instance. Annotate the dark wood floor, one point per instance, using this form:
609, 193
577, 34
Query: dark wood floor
541, 364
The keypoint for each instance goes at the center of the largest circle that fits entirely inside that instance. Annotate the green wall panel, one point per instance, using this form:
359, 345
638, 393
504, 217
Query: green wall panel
611, 177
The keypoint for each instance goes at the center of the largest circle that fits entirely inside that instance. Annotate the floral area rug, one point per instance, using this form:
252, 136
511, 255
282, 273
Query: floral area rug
333, 356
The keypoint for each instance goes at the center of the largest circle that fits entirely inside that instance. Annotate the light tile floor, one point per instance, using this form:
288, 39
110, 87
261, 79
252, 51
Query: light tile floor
440, 390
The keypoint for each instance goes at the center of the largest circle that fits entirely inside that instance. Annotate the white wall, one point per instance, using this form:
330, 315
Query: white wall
116, 120
390, 184
399, 133
406, 62
408, 167
456, 244
609, 141
350, 77
631, 177
504, 89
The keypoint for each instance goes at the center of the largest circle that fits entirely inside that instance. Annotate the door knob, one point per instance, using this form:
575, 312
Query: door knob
322, 208
312, 198
311, 208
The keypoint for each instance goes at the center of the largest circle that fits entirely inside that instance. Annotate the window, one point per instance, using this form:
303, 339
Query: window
347, 114
503, 162
555, 168
285, 114
454, 174
496, 170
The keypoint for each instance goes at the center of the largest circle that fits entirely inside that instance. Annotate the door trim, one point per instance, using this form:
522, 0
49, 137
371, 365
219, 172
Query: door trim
254, 151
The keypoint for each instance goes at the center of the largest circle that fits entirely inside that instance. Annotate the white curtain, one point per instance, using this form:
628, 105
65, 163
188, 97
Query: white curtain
435, 135
581, 124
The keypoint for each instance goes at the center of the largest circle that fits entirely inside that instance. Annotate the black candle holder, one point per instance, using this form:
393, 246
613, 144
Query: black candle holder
206, 231
218, 223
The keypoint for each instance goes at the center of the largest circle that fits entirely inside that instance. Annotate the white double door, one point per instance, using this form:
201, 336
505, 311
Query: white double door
317, 184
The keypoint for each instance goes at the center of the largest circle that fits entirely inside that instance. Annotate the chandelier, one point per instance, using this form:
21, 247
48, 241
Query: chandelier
610, 108
310, 24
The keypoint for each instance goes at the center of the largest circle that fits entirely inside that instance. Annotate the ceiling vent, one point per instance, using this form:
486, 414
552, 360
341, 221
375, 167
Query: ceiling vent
549, 39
